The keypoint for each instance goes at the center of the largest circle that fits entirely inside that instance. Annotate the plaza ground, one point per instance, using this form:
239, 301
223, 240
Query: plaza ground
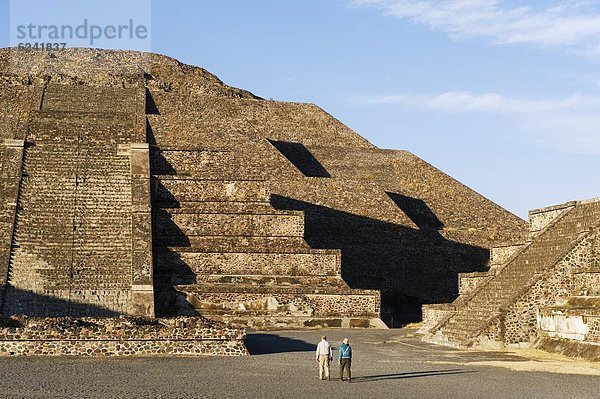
387, 364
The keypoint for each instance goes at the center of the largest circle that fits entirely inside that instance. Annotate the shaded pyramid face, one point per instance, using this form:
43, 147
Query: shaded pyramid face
135, 184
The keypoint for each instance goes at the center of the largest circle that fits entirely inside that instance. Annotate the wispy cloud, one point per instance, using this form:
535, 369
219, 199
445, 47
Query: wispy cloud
558, 24
570, 124
460, 101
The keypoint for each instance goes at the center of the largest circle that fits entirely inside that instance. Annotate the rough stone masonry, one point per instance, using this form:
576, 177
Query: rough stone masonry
540, 292
132, 184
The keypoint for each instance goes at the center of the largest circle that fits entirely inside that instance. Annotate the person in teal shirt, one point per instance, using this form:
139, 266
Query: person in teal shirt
345, 359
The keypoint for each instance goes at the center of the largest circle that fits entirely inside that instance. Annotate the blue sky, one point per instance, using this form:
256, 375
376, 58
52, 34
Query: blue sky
502, 95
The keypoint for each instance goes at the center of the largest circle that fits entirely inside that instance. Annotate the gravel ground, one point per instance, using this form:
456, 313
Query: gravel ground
392, 364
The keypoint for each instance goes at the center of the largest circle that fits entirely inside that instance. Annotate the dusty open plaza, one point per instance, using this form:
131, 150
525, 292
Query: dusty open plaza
392, 363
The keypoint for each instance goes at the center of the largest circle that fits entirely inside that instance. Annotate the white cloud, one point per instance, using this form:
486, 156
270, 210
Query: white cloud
559, 24
459, 101
570, 124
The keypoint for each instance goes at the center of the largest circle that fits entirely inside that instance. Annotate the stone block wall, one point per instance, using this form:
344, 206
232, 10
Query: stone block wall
16, 102
289, 224
572, 329
90, 99
587, 281
205, 163
190, 190
276, 301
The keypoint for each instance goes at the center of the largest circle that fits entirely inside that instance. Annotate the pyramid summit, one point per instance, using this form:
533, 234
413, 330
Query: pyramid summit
135, 185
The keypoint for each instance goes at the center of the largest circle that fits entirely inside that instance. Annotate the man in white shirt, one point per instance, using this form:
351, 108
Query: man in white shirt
324, 356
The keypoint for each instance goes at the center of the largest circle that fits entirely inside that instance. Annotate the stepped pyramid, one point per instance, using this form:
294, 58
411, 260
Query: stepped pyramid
537, 291
134, 184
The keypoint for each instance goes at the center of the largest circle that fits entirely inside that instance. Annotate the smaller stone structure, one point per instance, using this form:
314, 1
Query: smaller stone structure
123, 336
543, 293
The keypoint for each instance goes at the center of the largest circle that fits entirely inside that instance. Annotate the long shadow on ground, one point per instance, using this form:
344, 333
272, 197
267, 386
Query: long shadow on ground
264, 344
414, 374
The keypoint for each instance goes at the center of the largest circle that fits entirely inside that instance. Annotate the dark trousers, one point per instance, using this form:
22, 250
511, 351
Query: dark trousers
346, 364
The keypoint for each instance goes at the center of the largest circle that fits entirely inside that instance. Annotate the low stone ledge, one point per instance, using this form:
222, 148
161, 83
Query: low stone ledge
122, 348
571, 348
271, 322
123, 336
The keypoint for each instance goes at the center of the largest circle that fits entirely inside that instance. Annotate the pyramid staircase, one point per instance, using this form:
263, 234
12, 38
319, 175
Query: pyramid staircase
479, 313
71, 245
223, 252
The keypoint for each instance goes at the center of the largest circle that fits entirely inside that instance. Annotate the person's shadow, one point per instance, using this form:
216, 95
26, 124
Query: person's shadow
412, 374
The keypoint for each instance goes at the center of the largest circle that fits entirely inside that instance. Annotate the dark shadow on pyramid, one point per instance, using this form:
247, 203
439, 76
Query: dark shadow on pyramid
301, 157
410, 267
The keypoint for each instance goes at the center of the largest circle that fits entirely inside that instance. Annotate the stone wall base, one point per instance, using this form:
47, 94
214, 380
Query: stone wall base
120, 336
123, 348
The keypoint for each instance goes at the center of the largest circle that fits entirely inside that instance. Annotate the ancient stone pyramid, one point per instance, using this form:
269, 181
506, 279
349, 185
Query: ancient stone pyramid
134, 184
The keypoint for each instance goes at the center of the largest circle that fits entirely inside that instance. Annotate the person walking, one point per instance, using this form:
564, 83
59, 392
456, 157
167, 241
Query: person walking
324, 356
345, 359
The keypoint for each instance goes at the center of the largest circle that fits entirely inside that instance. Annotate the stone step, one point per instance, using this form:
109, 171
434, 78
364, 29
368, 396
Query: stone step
460, 318
311, 262
459, 332
169, 279
259, 208
456, 337
464, 323
296, 301
341, 290
234, 244
214, 224
168, 191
